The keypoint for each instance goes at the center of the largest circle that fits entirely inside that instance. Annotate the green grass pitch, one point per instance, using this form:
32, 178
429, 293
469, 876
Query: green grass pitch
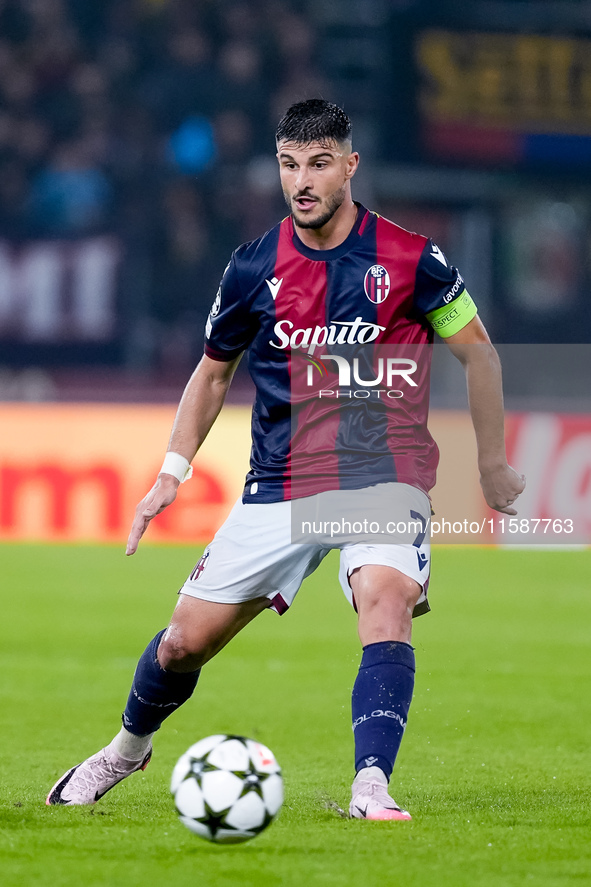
494, 765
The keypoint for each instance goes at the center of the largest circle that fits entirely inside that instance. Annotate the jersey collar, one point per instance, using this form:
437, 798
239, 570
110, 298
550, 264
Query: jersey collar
325, 255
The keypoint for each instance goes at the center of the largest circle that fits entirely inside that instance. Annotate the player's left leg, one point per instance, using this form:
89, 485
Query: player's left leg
385, 599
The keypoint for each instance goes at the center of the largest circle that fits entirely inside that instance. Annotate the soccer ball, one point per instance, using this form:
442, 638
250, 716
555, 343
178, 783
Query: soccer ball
227, 789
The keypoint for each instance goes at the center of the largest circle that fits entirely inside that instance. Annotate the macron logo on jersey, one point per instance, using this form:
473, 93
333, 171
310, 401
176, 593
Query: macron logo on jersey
437, 254
274, 285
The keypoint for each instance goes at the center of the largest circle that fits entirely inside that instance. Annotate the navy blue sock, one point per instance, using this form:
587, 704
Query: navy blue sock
155, 693
381, 699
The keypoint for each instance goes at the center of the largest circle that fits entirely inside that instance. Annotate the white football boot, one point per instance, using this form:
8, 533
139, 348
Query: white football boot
371, 799
90, 780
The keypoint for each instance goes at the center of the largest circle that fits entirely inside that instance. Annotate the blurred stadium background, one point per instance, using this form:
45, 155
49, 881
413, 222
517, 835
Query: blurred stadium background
136, 151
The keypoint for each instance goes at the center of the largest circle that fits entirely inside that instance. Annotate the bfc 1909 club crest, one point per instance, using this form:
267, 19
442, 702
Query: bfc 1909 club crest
200, 566
377, 284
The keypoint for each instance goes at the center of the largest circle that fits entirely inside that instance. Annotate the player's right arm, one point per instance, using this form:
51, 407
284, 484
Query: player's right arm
198, 409
228, 332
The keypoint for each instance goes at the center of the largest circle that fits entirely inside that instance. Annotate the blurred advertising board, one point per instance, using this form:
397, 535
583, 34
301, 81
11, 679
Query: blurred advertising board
73, 472
512, 98
554, 452
77, 471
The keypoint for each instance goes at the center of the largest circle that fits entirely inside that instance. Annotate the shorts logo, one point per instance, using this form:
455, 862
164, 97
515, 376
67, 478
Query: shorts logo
377, 284
200, 566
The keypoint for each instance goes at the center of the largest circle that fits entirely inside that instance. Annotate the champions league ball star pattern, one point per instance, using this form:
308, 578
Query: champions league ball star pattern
227, 789
286, 303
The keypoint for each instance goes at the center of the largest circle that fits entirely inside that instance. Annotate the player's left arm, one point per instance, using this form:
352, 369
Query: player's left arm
440, 296
471, 345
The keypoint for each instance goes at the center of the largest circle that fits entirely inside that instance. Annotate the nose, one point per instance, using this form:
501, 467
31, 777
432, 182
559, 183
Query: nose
303, 179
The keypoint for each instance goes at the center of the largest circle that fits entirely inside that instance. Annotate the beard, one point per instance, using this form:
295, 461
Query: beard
332, 204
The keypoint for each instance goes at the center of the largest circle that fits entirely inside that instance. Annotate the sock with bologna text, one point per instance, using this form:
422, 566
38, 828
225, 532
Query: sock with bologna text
155, 692
381, 698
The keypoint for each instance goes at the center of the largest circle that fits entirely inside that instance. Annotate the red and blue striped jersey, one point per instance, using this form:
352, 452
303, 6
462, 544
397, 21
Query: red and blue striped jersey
332, 338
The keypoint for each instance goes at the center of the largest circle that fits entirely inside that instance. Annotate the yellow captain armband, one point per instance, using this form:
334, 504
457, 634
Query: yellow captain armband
454, 317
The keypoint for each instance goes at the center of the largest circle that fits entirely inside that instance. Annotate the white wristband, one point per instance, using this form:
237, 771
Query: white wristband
178, 466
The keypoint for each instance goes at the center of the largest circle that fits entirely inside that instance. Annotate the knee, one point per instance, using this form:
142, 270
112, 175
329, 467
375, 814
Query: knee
385, 590
177, 653
387, 613
385, 600
398, 599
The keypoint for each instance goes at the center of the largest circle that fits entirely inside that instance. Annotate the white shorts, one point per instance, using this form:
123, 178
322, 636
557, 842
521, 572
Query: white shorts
252, 555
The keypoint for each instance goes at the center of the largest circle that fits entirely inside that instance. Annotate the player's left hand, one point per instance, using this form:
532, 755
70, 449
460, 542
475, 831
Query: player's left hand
501, 487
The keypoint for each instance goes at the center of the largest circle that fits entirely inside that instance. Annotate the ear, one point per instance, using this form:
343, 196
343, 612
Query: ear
352, 164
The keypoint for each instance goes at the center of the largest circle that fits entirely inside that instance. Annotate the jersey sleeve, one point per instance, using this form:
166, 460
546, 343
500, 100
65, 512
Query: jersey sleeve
440, 295
229, 328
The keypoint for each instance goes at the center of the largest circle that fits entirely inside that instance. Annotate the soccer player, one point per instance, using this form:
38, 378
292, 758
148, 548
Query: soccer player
330, 284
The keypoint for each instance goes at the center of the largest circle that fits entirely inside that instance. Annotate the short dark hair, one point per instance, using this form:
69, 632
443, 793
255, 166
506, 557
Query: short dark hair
314, 120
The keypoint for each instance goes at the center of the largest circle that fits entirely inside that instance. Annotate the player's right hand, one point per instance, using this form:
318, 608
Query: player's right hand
162, 494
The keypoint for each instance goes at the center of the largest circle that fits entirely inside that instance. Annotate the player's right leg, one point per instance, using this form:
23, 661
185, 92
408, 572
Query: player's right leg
165, 677
250, 565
